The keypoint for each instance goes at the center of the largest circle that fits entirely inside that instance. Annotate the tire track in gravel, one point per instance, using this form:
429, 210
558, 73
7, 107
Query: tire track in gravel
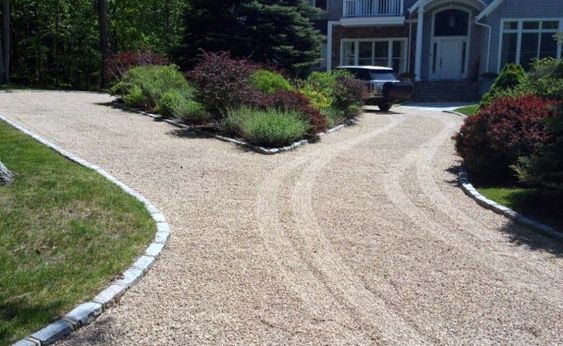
323, 273
422, 158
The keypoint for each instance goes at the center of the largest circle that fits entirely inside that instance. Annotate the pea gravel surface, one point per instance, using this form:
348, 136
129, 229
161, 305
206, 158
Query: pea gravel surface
362, 238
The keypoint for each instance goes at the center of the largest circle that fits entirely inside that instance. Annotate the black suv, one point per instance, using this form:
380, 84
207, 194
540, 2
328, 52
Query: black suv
384, 87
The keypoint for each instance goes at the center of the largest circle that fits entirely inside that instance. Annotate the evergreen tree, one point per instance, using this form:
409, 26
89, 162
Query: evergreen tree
276, 32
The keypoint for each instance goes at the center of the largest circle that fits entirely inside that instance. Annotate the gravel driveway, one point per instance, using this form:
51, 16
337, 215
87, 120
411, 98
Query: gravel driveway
363, 238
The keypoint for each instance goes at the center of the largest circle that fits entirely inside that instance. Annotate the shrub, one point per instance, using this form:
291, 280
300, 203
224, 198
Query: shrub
268, 82
546, 78
334, 116
144, 86
222, 82
270, 128
493, 140
545, 167
318, 99
180, 105
511, 79
349, 95
295, 101
120, 63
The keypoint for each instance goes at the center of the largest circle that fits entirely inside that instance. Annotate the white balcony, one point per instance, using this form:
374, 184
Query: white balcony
372, 8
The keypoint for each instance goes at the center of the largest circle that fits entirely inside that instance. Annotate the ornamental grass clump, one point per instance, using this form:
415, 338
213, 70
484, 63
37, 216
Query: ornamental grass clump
268, 128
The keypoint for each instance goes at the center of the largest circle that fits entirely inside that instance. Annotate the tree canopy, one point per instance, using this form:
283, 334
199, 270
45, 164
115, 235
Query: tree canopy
278, 32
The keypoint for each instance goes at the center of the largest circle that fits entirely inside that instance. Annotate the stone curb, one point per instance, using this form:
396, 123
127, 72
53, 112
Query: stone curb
472, 192
87, 312
255, 148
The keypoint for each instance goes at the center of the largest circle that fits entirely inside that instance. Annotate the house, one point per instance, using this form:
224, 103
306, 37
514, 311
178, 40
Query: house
440, 40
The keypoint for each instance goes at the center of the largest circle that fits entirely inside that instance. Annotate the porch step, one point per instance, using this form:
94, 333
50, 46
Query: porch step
446, 91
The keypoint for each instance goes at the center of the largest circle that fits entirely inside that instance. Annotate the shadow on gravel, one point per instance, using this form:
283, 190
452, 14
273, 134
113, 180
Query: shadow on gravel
100, 334
188, 133
525, 236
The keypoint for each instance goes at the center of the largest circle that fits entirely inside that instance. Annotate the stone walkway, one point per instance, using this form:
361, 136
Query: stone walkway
362, 238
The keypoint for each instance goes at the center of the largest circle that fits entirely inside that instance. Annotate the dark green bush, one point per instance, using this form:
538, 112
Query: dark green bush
269, 128
269, 82
511, 82
546, 78
544, 168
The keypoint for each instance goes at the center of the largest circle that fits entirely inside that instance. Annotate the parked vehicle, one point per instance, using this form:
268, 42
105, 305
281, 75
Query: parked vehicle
385, 88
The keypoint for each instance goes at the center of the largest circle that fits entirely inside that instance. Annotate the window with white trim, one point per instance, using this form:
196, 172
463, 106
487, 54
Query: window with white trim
524, 40
379, 52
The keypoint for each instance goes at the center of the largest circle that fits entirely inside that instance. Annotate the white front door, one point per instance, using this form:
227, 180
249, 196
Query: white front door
449, 58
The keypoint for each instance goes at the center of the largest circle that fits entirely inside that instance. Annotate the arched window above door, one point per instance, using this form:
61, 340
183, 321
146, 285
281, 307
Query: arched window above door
451, 23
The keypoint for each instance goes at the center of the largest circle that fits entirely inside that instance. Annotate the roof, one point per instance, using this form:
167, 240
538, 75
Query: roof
378, 68
489, 9
419, 3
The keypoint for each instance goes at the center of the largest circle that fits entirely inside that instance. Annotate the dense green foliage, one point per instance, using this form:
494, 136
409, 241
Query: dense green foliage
545, 167
56, 43
65, 233
268, 82
273, 32
546, 78
270, 128
510, 83
160, 89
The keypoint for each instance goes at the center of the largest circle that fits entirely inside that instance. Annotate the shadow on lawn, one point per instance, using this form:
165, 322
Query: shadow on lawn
541, 207
25, 314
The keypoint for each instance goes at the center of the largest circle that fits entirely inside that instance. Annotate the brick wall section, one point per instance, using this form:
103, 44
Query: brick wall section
340, 32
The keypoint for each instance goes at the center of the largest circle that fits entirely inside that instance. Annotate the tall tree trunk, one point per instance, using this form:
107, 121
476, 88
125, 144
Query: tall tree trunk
6, 44
104, 37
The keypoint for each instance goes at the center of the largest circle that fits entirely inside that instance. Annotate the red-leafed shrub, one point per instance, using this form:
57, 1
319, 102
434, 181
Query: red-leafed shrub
222, 82
119, 63
349, 94
294, 101
493, 140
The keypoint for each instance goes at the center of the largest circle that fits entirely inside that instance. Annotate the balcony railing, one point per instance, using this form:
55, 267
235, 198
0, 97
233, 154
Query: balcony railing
367, 8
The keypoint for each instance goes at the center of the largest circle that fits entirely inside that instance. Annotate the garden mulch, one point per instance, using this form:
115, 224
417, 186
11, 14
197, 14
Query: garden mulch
362, 238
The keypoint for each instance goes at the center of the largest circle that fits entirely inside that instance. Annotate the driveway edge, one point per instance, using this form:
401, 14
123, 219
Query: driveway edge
255, 148
472, 192
83, 314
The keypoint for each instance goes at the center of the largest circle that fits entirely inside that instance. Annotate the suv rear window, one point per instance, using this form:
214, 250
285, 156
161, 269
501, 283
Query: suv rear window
365, 74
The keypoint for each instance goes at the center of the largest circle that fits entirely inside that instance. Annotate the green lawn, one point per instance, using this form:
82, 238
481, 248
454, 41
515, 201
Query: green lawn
468, 110
65, 232
528, 201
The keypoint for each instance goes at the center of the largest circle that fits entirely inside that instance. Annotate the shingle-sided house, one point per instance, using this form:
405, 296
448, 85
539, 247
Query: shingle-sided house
440, 40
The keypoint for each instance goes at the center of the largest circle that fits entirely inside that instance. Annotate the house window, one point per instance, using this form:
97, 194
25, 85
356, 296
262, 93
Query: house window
379, 52
451, 23
525, 40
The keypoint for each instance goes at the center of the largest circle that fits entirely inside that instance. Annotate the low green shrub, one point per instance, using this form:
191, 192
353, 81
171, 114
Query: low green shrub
512, 80
269, 82
318, 99
334, 116
546, 78
144, 86
178, 104
269, 128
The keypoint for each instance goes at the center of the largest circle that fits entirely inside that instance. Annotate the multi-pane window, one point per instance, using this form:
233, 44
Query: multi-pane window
525, 40
378, 52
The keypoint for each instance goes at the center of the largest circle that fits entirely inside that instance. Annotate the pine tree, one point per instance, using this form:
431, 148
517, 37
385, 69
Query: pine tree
267, 31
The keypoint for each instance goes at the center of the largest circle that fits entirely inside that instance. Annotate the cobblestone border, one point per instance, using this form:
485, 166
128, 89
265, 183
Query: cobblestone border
255, 148
85, 313
472, 192
483, 201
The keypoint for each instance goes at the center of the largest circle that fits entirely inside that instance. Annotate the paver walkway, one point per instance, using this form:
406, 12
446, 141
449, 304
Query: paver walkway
363, 238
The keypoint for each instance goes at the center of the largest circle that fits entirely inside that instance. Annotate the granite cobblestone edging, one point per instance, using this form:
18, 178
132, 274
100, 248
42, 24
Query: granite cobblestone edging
87, 312
472, 192
255, 148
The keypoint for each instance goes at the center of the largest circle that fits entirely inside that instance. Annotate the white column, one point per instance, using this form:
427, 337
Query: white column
418, 52
329, 45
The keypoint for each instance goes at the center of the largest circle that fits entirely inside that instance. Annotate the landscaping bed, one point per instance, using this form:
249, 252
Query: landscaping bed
243, 101
513, 145
65, 233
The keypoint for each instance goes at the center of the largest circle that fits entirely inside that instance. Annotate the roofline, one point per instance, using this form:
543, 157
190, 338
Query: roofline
489, 9
368, 67
417, 4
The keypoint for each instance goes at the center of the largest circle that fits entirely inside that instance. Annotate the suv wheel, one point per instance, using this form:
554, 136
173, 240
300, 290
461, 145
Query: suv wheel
385, 107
